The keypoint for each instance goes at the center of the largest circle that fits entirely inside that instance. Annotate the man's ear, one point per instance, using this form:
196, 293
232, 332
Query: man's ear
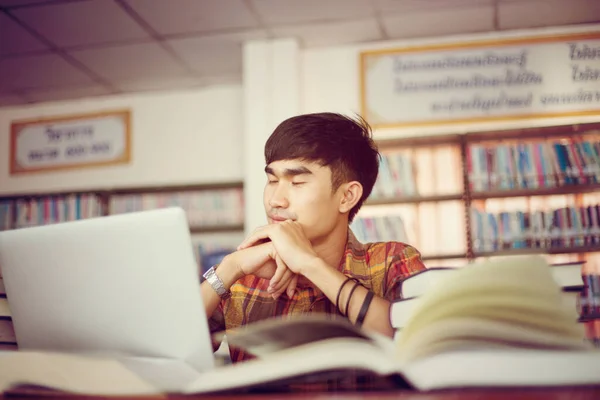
351, 194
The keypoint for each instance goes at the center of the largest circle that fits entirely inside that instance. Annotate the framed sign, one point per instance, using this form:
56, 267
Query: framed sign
69, 142
484, 80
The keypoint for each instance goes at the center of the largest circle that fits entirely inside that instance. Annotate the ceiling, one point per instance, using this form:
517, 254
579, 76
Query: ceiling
67, 49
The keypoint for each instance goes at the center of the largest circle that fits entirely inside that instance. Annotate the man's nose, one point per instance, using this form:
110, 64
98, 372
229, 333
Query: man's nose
279, 198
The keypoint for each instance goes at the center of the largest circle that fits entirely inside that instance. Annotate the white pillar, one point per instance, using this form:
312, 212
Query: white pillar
271, 94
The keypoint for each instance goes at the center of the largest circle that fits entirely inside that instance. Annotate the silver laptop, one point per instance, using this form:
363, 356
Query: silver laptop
126, 285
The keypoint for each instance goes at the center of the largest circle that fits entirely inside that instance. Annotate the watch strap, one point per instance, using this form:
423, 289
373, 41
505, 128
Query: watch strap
216, 283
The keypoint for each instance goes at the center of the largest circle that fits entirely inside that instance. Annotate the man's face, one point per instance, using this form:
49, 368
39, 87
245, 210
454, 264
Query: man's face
301, 191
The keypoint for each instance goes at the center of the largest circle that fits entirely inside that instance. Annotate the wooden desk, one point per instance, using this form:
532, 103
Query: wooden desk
562, 393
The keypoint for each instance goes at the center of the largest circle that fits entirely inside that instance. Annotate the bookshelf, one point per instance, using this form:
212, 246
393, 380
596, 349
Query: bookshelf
215, 211
461, 197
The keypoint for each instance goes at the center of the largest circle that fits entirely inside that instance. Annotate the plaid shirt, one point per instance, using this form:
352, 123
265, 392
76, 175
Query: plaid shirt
379, 267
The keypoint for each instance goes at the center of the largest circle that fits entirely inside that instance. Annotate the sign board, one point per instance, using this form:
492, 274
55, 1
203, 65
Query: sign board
70, 142
491, 80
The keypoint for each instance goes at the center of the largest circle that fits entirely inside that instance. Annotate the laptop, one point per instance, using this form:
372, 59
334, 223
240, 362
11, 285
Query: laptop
125, 285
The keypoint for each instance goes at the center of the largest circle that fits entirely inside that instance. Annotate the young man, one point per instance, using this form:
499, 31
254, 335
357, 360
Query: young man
320, 169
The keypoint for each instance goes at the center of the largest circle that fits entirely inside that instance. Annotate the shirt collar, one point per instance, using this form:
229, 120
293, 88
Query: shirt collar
354, 258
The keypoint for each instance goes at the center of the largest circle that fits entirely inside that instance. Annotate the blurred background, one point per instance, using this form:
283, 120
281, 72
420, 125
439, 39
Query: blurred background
182, 94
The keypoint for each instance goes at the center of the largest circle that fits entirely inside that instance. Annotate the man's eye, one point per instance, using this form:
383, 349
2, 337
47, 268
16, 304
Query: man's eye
298, 183
272, 181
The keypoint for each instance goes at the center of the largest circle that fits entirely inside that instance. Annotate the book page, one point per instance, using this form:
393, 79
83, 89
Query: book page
71, 373
513, 300
277, 334
328, 356
497, 368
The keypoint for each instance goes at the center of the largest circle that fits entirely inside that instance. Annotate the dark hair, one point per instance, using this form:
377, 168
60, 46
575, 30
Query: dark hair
343, 144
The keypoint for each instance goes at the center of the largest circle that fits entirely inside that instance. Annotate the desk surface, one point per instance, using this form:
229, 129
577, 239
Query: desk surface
562, 393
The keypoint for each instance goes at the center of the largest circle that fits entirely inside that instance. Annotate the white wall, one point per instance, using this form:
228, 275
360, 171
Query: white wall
271, 95
185, 137
330, 82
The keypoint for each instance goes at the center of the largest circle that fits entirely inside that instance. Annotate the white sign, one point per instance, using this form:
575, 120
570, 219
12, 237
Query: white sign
72, 142
535, 77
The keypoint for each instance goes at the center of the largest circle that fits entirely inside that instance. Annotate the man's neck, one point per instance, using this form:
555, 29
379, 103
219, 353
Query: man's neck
331, 248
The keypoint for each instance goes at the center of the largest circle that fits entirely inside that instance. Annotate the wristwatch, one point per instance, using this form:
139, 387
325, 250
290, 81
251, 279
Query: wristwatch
216, 283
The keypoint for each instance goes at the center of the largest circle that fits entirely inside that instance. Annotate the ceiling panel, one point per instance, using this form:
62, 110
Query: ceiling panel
68, 93
9, 100
16, 40
425, 5
440, 22
215, 54
127, 62
82, 23
538, 13
334, 33
188, 16
168, 83
18, 3
40, 71
279, 12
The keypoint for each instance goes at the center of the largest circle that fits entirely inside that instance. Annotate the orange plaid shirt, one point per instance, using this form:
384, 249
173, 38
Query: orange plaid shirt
379, 267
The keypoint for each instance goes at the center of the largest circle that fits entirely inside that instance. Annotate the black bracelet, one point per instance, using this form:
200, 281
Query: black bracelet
337, 299
345, 313
363, 310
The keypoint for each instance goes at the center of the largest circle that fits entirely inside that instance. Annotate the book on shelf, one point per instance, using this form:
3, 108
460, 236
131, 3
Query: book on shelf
52, 209
396, 177
203, 207
500, 323
590, 296
565, 227
533, 164
6, 215
384, 228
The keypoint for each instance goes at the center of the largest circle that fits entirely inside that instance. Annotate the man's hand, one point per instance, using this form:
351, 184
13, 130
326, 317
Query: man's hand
289, 241
261, 261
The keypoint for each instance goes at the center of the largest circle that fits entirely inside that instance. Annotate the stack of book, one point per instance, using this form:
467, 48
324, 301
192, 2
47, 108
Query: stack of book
589, 307
8, 340
567, 275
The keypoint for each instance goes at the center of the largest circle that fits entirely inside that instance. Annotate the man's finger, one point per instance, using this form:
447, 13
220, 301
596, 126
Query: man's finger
281, 268
283, 281
254, 237
291, 289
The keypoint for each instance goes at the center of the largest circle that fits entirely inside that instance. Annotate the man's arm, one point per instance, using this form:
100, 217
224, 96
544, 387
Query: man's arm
295, 249
330, 280
228, 273
260, 260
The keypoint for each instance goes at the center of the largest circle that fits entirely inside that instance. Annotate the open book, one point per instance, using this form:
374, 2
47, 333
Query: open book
498, 323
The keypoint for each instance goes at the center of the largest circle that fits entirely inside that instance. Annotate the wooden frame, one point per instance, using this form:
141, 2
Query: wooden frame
366, 56
17, 128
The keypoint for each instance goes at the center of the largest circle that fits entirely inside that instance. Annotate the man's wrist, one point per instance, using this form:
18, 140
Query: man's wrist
228, 272
313, 268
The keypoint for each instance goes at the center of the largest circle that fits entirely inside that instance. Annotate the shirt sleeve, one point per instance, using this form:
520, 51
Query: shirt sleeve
402, 261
